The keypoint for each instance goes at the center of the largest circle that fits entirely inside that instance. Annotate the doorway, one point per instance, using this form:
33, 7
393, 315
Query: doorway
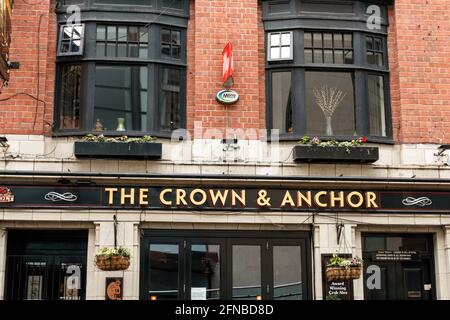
46, 265
211, 265
398, 267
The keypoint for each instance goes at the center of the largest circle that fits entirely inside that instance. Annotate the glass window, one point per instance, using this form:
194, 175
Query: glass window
121, 97
374, 50
246, 272
171, 44
71, 40
70, 97
281, 102
122, 41
377, 110
327, 47
330, 105
170, 112
205, 269
287, 273
164, 270
280, 46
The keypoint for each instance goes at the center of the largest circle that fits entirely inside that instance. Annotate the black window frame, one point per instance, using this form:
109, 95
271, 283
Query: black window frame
155, 17
355, 24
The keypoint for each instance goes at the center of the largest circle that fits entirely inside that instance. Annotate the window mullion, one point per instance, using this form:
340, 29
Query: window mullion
362, 124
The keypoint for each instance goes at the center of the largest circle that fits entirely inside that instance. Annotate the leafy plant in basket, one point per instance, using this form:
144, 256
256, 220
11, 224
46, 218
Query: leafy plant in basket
113, 259
340, 269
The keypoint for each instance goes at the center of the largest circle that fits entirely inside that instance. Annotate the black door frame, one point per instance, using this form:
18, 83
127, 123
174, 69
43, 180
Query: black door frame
426, 255
17, 255
266, 239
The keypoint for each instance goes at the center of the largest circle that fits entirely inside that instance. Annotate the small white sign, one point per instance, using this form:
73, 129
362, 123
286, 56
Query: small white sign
427, 287
198, 293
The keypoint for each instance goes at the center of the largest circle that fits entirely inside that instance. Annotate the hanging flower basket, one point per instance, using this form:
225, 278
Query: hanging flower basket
108, 259
341, 269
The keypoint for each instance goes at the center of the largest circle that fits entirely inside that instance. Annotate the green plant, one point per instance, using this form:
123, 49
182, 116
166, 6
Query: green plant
123, 139
337, 261
315, 141
111, 252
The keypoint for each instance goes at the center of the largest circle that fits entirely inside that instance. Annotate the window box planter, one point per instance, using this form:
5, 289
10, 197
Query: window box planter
133, 150
310, 153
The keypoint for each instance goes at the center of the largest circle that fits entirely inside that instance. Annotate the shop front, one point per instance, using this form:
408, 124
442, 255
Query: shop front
211, 239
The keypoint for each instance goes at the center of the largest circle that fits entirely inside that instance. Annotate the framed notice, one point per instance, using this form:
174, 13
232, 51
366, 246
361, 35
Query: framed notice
114, 288
335, 290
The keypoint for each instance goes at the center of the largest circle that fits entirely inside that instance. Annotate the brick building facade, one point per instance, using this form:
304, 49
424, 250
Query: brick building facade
407, 124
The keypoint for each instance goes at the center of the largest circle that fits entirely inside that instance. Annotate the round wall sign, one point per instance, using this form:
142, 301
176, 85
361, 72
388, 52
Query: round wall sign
227, 97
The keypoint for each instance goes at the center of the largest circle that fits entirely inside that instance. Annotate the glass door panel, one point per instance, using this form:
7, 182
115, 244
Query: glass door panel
205, 272
35, 283
164, 271
246, 272
287, 273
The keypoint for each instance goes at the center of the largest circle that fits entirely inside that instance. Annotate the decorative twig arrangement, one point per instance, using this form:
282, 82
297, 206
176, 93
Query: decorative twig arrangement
328, 99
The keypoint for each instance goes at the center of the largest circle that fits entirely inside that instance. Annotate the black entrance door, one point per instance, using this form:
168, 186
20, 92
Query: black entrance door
46, 265
398, 267
224, 265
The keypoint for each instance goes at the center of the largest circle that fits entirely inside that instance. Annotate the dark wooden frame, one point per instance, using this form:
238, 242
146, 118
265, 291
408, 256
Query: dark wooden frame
132, 150
266, 239
343, 23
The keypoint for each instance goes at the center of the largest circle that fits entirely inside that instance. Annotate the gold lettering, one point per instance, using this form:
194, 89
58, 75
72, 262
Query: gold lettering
287, 200
358, 195
198, 191
181, 194
110, 195
124, 196
218, 195
162, 199
317, 199
371, 198
340, 198
235, 196
301, 197
143, 196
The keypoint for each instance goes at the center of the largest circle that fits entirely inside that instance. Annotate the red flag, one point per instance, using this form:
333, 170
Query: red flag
228, 67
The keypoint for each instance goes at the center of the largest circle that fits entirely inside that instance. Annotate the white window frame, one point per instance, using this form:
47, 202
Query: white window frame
280, 45
60, 41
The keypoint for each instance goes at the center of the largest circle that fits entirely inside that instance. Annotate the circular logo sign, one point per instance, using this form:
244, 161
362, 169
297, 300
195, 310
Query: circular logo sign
227, 97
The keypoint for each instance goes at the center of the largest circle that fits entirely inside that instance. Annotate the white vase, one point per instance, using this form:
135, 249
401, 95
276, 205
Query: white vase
329, 128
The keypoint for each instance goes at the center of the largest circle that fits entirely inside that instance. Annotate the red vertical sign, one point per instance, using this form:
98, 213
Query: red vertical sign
228, 67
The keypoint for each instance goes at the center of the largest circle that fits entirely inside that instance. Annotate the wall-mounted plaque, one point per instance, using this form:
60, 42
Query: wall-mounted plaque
114, 288
396, 256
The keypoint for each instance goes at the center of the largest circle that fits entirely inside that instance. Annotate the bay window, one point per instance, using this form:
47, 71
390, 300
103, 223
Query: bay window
131, 76
335, 85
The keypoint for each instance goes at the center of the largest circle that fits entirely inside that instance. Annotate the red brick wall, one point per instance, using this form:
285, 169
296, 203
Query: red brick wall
21, 114
419, 58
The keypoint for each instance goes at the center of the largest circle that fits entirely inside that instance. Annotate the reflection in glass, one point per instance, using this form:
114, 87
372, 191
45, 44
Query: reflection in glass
170, 113
287, 273
246, 272
35, 272
281, 102
164, 268
121, 92
330, 107
205, 272
376, 105
70, 97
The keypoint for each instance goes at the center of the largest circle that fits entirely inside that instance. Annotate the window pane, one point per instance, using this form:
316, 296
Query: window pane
327, 40
348, 56
275, 53
317, 40
205, 272
67, 33
281, 102
133, 34
164, 269
165, 35
369, 43
176, 37
328, 56
318, 58
370, 57
100, 50
330, 108
339, 56
378, 44
308, 56
246, 272
275, 40
118, 96
338, 43
111, 33
70, 97
348, 41
285, 52
287, 273
285, 39
143, 35
170, 113
376, 105
308, 39
101, 33
176, 52
122, 34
